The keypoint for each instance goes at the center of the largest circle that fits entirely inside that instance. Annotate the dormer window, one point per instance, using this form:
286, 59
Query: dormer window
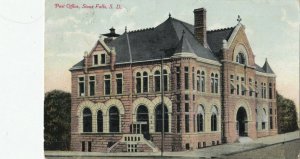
240, 58
103, 58
95, 59
99, 59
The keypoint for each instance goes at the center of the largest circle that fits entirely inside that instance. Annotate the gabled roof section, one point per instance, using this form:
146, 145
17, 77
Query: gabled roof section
216, 37
267, 68
166, 38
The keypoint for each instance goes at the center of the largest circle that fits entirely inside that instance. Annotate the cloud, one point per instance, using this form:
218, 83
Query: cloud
60, 22
293, 24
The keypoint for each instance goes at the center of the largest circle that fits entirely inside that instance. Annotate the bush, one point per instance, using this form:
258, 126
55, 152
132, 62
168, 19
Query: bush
287, 115
57, 112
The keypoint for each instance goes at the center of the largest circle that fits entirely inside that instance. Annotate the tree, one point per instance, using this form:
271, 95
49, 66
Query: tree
287, 115
57, 112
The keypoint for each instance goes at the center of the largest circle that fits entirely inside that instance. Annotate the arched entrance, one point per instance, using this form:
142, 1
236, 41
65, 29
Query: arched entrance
143, 117
242, 125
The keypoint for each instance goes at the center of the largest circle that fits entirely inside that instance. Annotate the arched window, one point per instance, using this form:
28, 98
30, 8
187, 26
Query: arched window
158, 119
157, 81
87, 120
213, 119
142, 116
138, 82
198, 81
114, 119
240, 58
216, 83
145, 82
166, 81
202, 81
200, 119
100, 121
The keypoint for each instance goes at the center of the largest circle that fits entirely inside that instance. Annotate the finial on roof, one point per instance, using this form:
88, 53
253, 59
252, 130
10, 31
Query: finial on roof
239, 19
169, 15
266, 59
125, 29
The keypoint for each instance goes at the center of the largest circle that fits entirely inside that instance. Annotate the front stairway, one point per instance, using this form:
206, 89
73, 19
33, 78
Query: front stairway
133, 143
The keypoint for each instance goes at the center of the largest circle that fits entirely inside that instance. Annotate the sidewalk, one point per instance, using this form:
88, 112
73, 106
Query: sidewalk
209, 152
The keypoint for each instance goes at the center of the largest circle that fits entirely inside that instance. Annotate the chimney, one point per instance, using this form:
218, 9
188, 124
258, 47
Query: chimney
200, 25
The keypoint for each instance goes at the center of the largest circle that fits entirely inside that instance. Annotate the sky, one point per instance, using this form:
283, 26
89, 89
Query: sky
272, 28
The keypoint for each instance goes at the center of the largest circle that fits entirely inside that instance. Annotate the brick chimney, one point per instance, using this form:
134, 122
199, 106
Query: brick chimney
200, 25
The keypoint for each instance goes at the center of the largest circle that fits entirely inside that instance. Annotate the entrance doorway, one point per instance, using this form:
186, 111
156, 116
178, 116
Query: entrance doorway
143, 117
242, 123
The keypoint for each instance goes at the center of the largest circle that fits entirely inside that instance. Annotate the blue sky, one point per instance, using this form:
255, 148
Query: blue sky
272, 28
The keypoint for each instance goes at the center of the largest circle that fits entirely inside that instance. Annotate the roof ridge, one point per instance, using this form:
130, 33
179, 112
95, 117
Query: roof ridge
220, 29
140, 30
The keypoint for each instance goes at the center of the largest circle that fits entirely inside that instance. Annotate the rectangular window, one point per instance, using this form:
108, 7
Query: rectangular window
95, 59
187, 123
263, 125
103, 59
271, 122
186, 97
256, 89
193, 78
107, 84
157, 83
270, 91
187, 107
145, 82
186, 77
81, 86
178, 124
92, 82
82, 146
237, 89
178, 77
119, 81
89, 146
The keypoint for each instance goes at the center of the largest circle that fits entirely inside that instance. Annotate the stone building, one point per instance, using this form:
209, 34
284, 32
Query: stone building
214, 92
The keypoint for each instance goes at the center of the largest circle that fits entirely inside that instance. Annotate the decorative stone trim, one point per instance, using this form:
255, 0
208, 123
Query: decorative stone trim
265, 74
240, 48
245, 105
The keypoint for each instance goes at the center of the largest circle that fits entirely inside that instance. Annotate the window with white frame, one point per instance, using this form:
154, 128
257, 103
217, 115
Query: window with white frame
107, 84
186, 77
138, 82
119, 83
240, 58
214, 119
95, 59
81, 86
200, 118
214, 83
157, 81
103, 58
198, 80
166, 79
145, 81
202, 85
92, 84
